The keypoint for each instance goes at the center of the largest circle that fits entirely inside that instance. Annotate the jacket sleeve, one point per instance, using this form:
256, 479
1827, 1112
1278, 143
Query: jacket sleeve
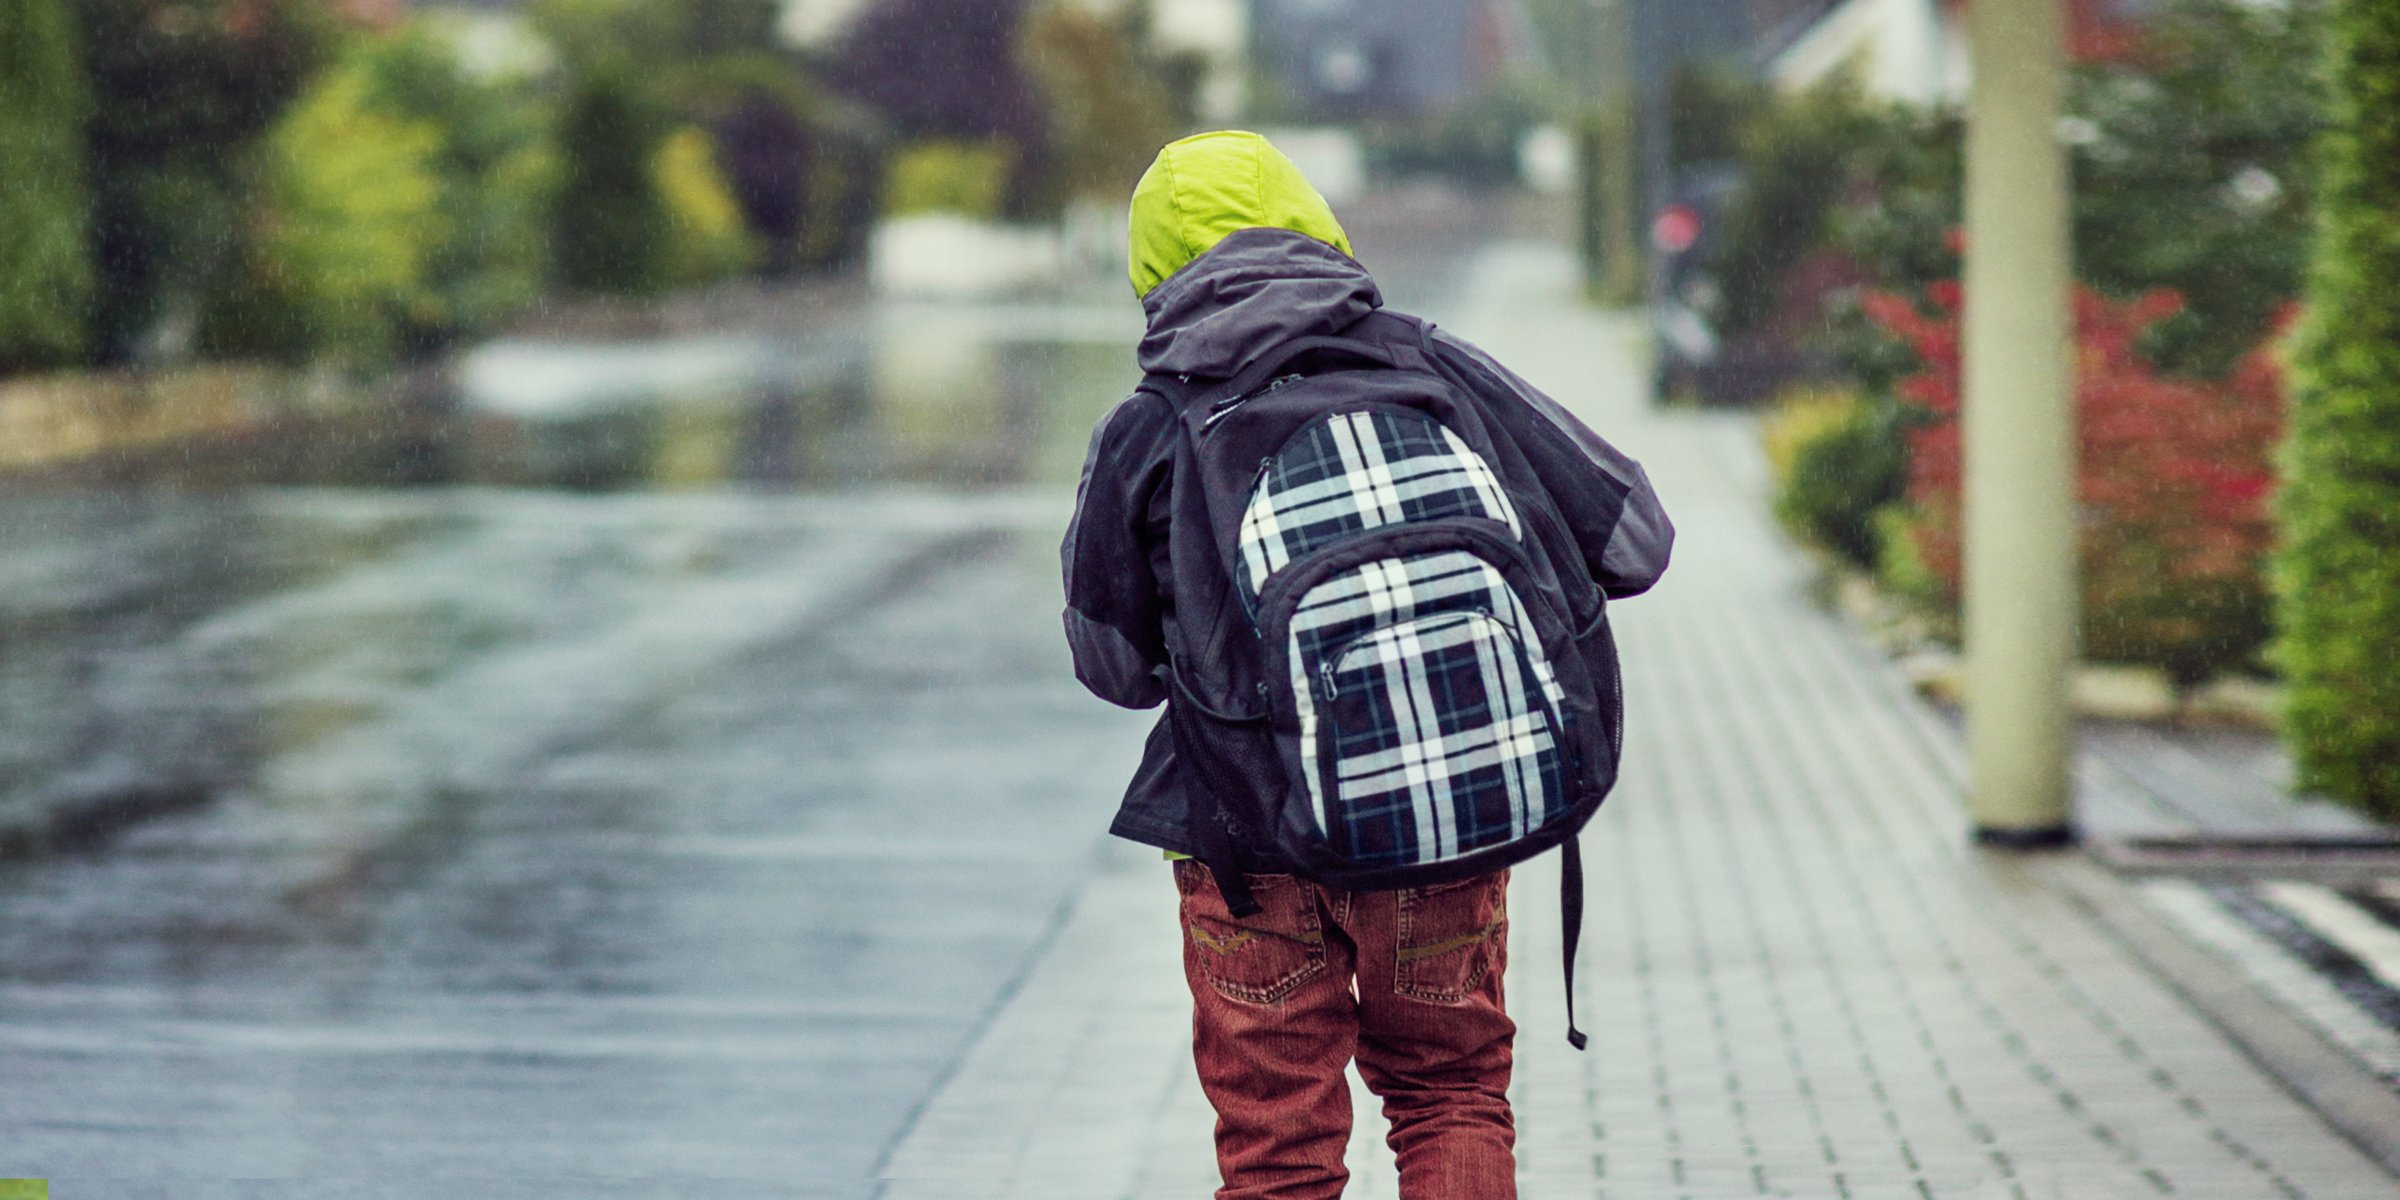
1605, 496
1109, 559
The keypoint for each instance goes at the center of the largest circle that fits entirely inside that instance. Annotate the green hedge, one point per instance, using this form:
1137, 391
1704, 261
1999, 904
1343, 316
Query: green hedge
45, 270
2339, 572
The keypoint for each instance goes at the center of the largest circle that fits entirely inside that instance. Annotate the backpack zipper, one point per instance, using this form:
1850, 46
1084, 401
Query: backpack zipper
1222, 408
1325, 666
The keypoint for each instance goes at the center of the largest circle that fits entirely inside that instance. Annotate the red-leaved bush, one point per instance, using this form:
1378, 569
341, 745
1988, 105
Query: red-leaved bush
2173, 482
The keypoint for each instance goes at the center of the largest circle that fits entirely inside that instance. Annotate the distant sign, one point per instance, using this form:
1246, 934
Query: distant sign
1675, 229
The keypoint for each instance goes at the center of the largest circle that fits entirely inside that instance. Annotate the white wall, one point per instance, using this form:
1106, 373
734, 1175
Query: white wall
1903, 50
815, 22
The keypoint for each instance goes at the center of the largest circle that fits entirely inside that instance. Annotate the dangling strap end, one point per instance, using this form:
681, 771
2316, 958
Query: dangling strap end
1236, 891
1570, 914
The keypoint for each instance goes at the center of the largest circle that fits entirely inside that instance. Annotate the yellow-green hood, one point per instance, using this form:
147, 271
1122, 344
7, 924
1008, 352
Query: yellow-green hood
1211, 184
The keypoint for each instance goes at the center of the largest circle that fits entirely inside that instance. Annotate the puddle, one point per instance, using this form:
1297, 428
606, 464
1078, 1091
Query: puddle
172, 617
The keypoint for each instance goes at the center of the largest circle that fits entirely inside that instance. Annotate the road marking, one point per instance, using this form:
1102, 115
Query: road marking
140, 1040
881, 849
2277, 971
25, 1000
2374, 944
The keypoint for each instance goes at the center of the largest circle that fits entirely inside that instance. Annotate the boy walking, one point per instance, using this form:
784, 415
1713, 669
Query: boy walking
1366, 568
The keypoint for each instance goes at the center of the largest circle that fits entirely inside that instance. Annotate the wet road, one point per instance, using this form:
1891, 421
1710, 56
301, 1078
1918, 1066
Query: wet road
653, 773
645, 899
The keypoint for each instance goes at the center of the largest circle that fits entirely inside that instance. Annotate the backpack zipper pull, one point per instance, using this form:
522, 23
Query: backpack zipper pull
1218, 411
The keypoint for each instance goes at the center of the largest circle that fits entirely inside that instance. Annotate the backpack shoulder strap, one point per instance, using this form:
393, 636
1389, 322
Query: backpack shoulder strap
1418, 334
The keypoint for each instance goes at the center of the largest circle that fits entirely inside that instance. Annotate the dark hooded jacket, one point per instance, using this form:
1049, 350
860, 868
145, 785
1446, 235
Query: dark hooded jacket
1255, 289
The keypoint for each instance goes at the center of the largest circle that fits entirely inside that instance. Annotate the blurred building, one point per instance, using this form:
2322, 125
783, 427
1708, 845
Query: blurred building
1218, 31
1911, 51
491, 37
816, 22
1329, 59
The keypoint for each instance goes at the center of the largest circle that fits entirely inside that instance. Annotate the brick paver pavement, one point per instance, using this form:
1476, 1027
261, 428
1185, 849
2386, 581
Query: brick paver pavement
1799, 978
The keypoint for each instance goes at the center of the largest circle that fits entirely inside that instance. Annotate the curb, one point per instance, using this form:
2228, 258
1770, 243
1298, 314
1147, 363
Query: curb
2357, 1104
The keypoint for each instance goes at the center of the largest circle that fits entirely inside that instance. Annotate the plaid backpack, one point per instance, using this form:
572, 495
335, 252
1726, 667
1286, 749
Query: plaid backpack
1421, 710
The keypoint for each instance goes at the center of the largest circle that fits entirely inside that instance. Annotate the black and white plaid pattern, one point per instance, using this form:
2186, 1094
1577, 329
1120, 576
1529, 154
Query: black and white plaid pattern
1421, 676
1354, 472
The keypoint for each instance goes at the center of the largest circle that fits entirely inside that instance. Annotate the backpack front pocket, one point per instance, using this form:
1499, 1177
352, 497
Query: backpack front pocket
1434, 738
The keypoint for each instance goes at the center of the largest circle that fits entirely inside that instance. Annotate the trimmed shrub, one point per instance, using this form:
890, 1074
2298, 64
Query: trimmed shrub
2338, 575
968, 178
45, 265
1473, 142
948, 71
1839, 461
707, 241
2173, 483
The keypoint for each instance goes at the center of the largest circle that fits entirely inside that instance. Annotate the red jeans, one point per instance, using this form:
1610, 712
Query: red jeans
1275, 1017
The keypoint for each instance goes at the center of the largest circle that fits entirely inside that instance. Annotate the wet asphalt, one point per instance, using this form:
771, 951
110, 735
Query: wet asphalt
641, 779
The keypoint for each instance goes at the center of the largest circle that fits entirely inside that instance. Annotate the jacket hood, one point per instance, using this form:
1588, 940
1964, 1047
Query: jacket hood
1204, 187
1258, 287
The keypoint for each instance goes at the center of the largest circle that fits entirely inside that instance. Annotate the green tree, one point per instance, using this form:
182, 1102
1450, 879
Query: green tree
2338, 575
1107, 106
610, 227
2193, 171
1797, 158
45, 266
182, 93
344, 215
668, 32
494, 166
1708, 106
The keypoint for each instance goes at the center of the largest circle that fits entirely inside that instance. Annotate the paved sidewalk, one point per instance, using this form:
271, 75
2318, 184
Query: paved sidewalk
1799, 979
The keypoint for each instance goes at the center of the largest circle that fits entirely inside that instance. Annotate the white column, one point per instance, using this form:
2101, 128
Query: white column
2018, 427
